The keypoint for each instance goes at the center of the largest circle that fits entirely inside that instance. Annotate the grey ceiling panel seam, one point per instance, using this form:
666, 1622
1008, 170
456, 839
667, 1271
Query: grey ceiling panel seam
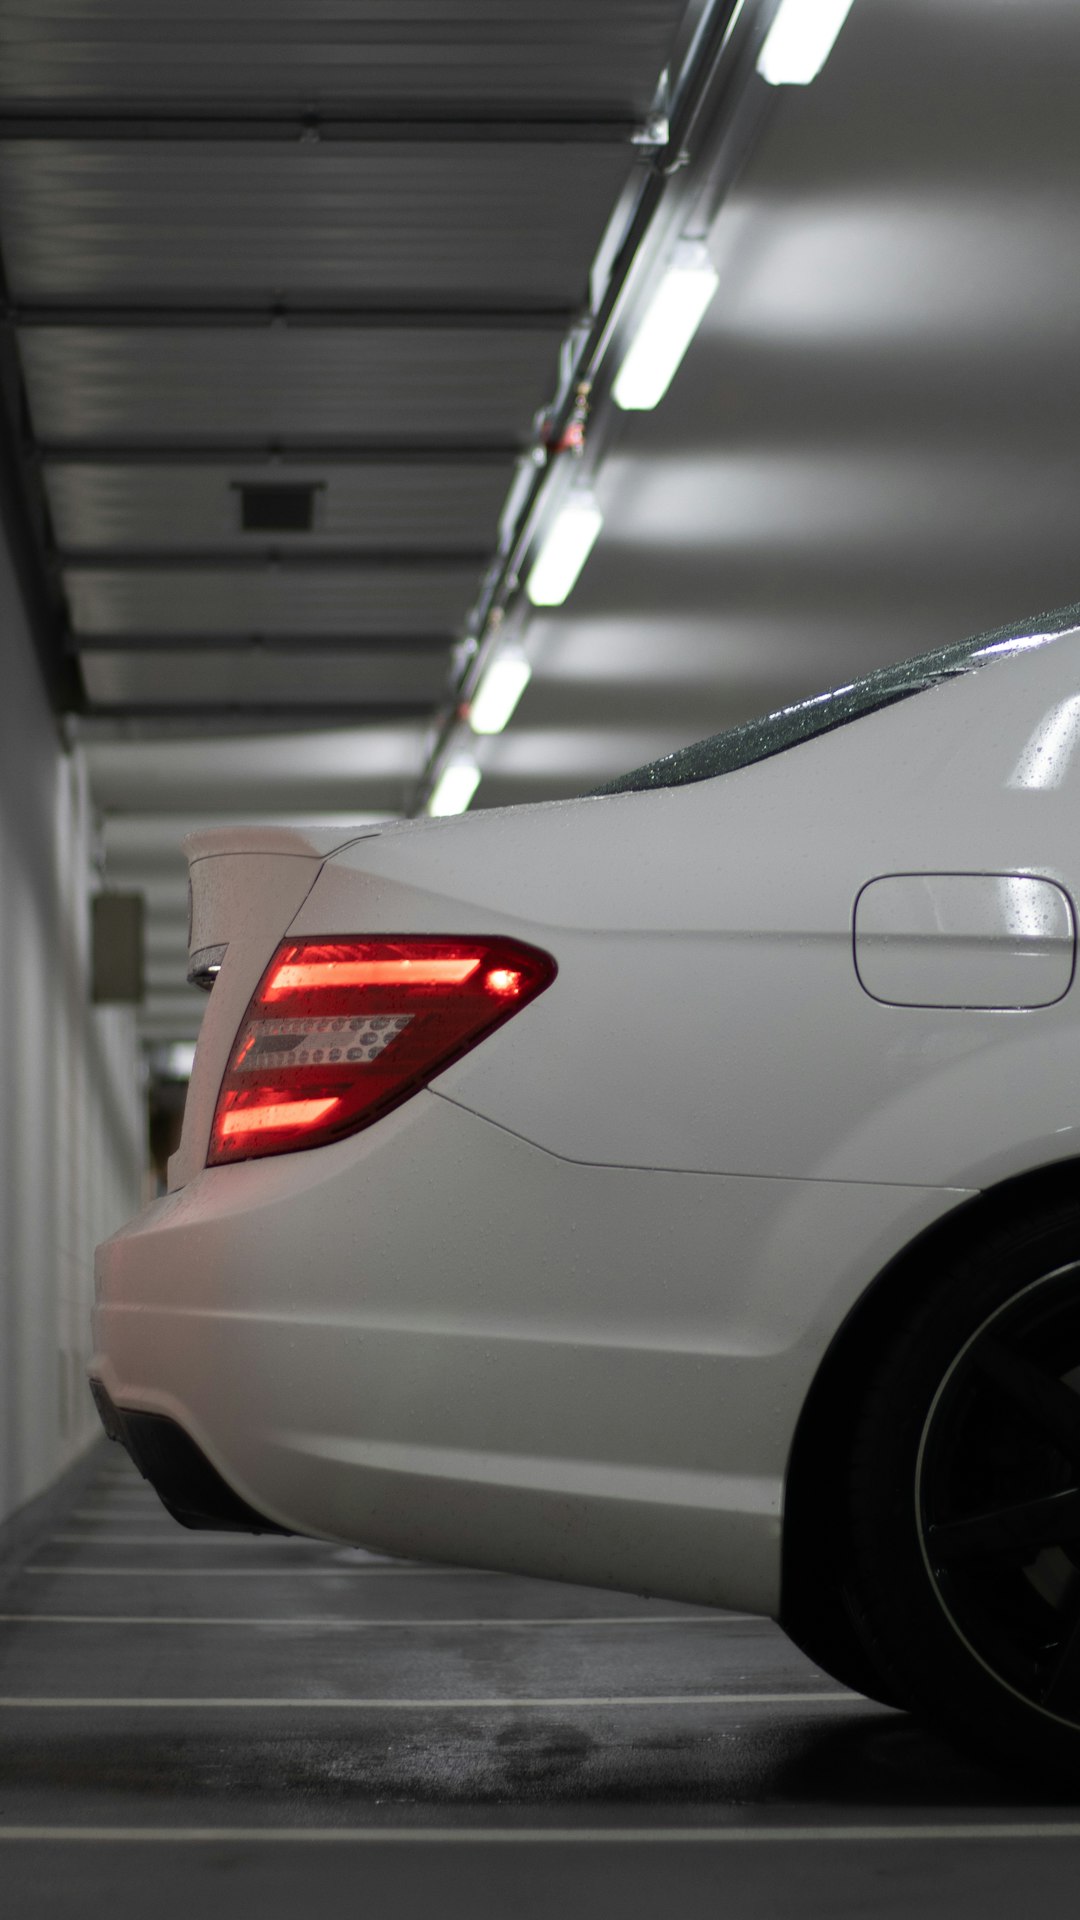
345, 712
231, 641
262, 555
292, 129
367, 571
275, 453
171, 674
97, 730
369, 454
137, 315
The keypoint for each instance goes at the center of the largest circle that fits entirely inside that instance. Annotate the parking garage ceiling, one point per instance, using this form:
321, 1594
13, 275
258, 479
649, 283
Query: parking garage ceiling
311, 314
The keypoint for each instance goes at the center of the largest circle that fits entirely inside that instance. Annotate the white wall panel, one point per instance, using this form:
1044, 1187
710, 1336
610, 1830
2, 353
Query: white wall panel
71, 1124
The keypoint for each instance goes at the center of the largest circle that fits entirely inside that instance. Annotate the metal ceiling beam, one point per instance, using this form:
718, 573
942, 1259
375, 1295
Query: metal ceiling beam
288, 715
274, 456
384, 126
152, 643
261, 551
91, 452
264, 552
131, 723
369, 314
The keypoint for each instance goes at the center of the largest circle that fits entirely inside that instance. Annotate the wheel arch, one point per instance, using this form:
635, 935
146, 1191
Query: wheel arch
815, 1608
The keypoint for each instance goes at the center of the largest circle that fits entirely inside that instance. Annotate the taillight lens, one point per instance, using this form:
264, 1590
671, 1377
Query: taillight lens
338, 1031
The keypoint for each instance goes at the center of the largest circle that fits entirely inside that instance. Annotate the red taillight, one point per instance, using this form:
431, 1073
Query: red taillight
338, 1031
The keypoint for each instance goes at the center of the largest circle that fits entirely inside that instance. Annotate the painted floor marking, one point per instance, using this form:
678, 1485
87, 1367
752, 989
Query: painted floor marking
323, 1620
173, 1535
132, 1503
484, 1704
546, 1836
152, 1517
271, 1572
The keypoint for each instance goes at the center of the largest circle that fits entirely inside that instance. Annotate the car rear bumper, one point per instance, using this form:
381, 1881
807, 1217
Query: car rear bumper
181, 1476
437, 1340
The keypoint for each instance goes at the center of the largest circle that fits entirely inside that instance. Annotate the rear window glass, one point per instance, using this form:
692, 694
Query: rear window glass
775, 732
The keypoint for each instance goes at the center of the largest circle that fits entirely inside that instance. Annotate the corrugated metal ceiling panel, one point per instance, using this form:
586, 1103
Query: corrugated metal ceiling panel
179, 602
165, 677
469, 206
460, 225
404, 385
379, 504
556, 57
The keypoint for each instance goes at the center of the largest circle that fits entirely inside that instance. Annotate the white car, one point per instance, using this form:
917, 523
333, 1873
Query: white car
674, 1189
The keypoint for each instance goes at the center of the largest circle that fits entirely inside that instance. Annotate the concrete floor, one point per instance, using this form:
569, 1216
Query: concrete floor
197, 1724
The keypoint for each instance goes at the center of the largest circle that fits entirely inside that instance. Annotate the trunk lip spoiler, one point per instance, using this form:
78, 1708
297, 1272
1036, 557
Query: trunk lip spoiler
308, 843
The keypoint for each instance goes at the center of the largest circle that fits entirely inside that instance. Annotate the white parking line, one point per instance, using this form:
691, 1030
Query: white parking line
269, 1573
174, 1535
133, 1515
115, 1502
88, 1526
485, 1703
322, 1620
119, 1483
546, 1836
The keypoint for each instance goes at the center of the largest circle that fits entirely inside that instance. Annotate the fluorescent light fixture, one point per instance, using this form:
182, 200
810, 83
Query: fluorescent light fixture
454, 788
177, 1061
800, 40
670, 322
564, 551
501, 687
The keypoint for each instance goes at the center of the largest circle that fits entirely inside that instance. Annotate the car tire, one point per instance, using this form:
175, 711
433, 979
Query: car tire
823, 1621
964, 1498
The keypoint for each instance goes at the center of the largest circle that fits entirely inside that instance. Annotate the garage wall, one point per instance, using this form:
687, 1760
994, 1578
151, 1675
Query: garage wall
71, 1127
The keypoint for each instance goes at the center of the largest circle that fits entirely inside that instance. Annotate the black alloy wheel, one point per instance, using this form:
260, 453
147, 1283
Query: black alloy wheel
965, 1500
998, 1481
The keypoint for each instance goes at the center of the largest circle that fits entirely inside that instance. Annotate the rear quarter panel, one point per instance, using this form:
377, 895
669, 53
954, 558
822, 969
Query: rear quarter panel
707, 1014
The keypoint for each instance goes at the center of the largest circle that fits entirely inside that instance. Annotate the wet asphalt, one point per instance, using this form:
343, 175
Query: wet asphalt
199, 1725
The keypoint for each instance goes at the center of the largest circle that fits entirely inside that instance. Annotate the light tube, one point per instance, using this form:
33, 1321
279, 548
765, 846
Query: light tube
564, 552
501, 687
454, 788
670, 322
285, 1113
180, 1057
369, 973
800, 40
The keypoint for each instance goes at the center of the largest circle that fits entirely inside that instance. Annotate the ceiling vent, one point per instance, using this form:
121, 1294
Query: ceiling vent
286, 507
